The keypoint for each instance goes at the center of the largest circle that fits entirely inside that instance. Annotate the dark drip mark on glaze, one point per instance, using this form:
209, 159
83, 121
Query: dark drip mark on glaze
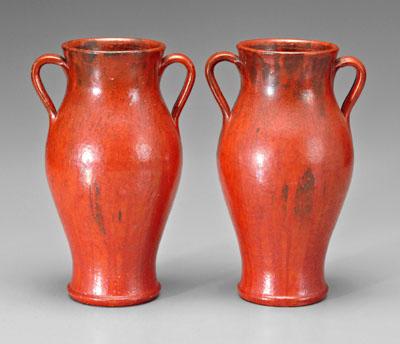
294, 70
292, 63
277, 63
252, 67
138, 47
257, 130
320, 68
301, 77
274, 77
78, 70
276, 74
304, 194
84, 71
259, 47
120, 216
96, 208
316, 75
270, 73
308, 46
266, 71
285, 192
152, 66
90, 45
303, 71
321, 111
90, 55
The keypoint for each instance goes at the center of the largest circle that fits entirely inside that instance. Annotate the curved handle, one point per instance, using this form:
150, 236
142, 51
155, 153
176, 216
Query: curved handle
212, 82
187, 86
358, 84
38, 84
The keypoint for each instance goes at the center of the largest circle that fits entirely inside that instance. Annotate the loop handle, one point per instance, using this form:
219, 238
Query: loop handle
358, 85
38, 84
187, 86
212, 82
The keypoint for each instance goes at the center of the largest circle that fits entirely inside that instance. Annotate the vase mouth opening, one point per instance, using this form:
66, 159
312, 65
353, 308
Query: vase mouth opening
113, 45
287, 46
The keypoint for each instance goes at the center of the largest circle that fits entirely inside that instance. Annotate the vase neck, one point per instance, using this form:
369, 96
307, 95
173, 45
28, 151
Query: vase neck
286, 73
102, 70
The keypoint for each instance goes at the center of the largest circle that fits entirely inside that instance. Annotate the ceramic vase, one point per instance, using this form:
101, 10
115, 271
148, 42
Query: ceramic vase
285, 160
113, 162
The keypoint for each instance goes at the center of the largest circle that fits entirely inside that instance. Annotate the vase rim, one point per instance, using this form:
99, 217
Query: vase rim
109, 45
291, 46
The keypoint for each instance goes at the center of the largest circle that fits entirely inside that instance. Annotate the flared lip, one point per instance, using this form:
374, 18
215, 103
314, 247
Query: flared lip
109, 45
291, 46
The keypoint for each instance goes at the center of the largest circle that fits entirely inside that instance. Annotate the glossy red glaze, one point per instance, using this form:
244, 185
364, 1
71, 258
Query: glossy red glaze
113, 162
285, 160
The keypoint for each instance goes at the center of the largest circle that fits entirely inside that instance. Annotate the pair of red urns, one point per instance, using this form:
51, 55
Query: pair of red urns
113, 162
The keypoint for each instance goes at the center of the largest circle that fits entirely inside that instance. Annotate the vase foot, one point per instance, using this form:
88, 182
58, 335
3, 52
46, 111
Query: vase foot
283, 301
113, 301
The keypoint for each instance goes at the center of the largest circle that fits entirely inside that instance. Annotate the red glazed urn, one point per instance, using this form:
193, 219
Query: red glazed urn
113, 162
285, 161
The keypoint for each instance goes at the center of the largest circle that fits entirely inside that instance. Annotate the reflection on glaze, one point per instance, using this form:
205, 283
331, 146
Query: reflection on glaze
260, 160
98, 284
143, 151
87, 156
270, 90
315, 150
133, 96
308, 96
96, 91
268, 284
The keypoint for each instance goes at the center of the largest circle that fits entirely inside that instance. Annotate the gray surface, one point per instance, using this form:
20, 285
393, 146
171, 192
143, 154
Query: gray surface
198, 261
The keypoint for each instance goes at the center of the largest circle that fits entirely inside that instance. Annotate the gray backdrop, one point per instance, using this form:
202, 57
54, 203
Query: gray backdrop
198, 262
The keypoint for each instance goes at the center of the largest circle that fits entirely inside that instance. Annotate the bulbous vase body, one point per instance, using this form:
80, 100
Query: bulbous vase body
285, 160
